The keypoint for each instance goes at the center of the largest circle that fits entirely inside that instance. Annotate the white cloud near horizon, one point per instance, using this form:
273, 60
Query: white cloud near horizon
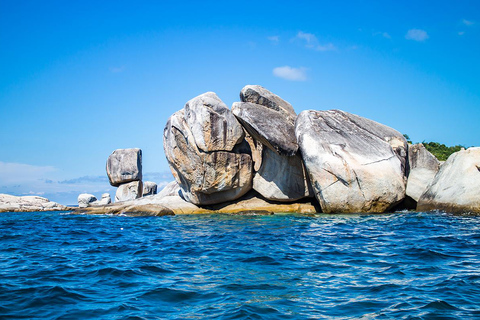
15, 173
290, 73
418, 35
312, 42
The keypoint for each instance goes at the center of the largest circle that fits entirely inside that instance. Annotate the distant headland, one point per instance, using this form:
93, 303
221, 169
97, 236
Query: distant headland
260, 157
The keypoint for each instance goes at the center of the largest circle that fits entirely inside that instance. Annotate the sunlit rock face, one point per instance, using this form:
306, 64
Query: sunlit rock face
455, 188
207, 153
124, 165
423, 167
354, 164
129, 191
270, 123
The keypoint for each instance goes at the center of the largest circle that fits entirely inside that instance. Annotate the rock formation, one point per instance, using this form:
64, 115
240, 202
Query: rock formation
124, 170
354, 164
281, 178
9, 203
423, 167
149, 188
456, 186
208, 156
124, 165
129, 191
85, 200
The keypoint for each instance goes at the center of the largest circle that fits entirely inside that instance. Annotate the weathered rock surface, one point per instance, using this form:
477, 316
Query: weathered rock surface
85, 200
281, 178
423, 168
212, 124
271, 127
124, 165
354, 164
168, 205
171, 189
456, 186
9, 203
149, 188
129, 191
106, 199
259, 95
206, 177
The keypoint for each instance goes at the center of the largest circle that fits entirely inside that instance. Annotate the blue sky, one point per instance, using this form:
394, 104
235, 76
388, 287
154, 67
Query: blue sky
80, 79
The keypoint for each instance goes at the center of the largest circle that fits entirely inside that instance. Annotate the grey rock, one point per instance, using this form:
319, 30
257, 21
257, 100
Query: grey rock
124, 165
268, 126
423, 168
259, 95
281, 178
205, 177
106, 199
129, 191
212, 124
85, 200
354, 164
456, 186
149, 188
9, 203
171, 189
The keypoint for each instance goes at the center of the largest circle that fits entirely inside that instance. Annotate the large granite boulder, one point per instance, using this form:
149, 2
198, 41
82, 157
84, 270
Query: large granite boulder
456, 186
129, 191
9, 203
124, 165
85, 200
259, 95
205, 174
212, 124
268, 126
281, 178
354, 164
423, 168
149, 188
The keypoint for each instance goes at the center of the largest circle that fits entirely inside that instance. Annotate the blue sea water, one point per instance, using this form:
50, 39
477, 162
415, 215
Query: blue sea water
391, 266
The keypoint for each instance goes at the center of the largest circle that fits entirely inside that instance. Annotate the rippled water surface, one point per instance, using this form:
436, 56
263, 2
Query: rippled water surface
404, 265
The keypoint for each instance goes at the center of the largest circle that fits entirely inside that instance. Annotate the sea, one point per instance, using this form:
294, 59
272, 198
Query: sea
404, 265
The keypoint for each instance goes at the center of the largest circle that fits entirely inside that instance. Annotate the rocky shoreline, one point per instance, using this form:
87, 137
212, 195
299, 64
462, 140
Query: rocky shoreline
260, 157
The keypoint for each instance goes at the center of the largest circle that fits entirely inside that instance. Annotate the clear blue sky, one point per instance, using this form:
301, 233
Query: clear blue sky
79, 79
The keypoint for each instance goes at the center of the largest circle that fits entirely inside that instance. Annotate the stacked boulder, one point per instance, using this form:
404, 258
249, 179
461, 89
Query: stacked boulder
348, 163
207, 152
124, 170
270, 123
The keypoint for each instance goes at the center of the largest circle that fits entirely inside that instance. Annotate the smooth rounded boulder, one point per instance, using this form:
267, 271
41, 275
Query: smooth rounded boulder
423, 166
456, 186
129, 191
85, 200
354, 164
207, 177
124, 165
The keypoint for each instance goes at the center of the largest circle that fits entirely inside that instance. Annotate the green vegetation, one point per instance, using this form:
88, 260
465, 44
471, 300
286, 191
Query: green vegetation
441, 151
